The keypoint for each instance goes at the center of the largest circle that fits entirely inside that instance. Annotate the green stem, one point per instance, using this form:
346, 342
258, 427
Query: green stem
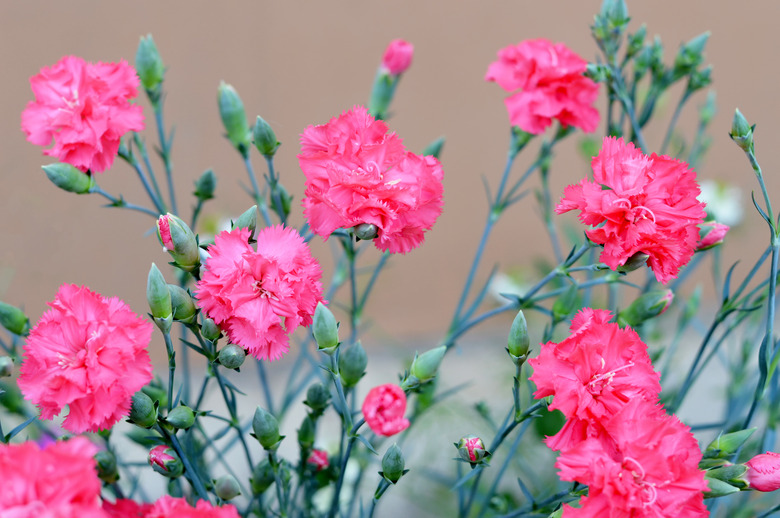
129, 157
165, 152
259, 199
171, 367
273, 182
192, 475
380, 490
234, 420
673, 121
120, 203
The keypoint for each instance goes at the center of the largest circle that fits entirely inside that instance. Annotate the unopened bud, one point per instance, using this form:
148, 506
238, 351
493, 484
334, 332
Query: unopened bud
711, 234
699, 79
318, 459
266, 429
68, 178
178, 240
210, 330
727, 444
205, 185
352, 364
306, 433
247, 220
156, 392
434, 148
13, 319
742, 132
182, 305
159, 299
397, 57
325, 329
518, 343
107, 470
262, 477
265, 138
636, 41
366, 231
165, 462
690, 55
472, 449
717, 488
647, 306
226, 487
317, 398
148, 64
425, 366
393, 464
763, 472
231, 109
6, 366
142, 410
181, 417
636, 261
232, 356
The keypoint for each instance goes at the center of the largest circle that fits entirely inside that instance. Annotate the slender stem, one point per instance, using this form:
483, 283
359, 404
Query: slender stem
149, 170
276, 198
380, 490
192, 475
165, 152
689, 378
278, 483
269, 401
120, 203
509, 457
129, 157
547, 212
234, 421
261, 205
171, 367
334, 505
372, 280
673, 121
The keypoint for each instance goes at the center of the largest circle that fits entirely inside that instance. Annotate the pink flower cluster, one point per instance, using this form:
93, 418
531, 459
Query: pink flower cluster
85, 107
383, 410
356, 172
87, 352
550, 83
636, 459
260, 296
639, 204
169, 507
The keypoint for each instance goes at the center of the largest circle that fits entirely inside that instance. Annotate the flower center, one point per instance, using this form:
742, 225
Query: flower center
647, 492
262, 292
634, 213
599, 382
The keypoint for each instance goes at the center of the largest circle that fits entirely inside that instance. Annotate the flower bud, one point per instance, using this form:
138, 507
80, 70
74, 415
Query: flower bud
205, 185
325, 329
647, 306
518, 343
285, 199
727, 444
148, 64
262, 477
306, 432
434, 148
179, 241
763, 472
717, 488
317, 398
165, 462
6, 366
708, 109
247, 220
156, 392
397, 57
265, 138
565, 304
232, 356
366, 231
107, 470
699, 79
711, 234
266, 429
159, 299
13, 319
393, 464
231, 109
352, 365
210, 330
181, 417
68, 178
182, 306
742, 132
226, 487
636, 41
635, 262
733, 474
318, 459
425, 366
472, 449
142, 410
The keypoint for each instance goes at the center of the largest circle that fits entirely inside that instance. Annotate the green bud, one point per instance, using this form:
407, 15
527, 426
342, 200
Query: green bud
205, 185
181, 417
231, 109
247, 220
13, 319
727, 444
352, 365
317, 398
565, 304
325, 329
615, 12
708, 109
182, 306
393, 464
742, 132
645, 307
734, 474
156, 392
636, 41
284, 197
159, 299
142, 410
717, 488
266, 429
425, 366
68, 178
598, 73
210, 330
518, 343
262, 477
699, 79
165, 461
106, 466
232, 356
265, 138
6, 366
434, 148
519, 140
178, 240
148, 64
690, 55
366, 231
636, 261
472, 449
306, 432
226, 487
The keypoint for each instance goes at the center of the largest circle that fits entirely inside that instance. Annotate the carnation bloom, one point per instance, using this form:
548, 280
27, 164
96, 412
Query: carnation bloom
87, 352
384, 409
59, 481
592, 374
550, 83
763, 471
260, 296
85, 108
170, 507
638, 203
125, 508
397, 57
358, 173
318, 459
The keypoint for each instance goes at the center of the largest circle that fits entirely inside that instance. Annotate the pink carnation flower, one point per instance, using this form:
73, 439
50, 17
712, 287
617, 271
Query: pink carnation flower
397, 57
550, 83
384, 409
763, 472
170, 507
125, 508
85, 108
639, 204
592, 374
87, 352
356, 172
260, 297
57, 481
318, 459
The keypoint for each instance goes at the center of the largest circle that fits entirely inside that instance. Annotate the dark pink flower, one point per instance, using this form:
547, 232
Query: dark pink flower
87, 352
638, 203
384, 409
550, 83
170, 507
358, 173
763, 472
318, 459
397, 57
711, 234
85, 108
125, 508
260, 296
57, 481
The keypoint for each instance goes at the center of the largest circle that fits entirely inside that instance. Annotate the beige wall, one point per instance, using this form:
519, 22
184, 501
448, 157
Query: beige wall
297, 63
